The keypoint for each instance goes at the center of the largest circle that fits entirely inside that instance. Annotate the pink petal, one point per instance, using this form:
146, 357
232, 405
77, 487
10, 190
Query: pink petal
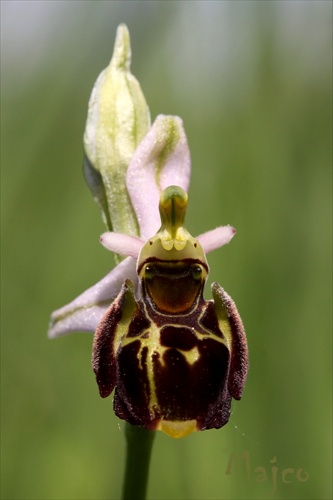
162, 159
211, 240
85, 312
123, 244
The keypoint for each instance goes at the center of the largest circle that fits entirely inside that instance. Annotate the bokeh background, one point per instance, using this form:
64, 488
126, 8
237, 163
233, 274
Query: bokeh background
252, 83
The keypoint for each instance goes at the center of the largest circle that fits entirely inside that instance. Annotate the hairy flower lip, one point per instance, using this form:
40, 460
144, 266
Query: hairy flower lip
161, 347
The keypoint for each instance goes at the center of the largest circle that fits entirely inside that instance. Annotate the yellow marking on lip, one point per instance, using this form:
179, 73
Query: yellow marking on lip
152, 342
150, 339
224, 327
191, 356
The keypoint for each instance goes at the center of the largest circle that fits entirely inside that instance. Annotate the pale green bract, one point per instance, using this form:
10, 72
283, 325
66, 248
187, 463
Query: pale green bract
118, 119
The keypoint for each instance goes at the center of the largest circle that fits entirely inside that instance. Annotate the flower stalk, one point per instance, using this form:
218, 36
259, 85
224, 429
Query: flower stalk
139, 447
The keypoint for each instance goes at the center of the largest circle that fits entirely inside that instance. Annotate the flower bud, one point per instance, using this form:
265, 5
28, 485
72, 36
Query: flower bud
118, 119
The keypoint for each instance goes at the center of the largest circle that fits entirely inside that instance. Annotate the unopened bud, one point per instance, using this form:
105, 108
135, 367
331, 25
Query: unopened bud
118, 119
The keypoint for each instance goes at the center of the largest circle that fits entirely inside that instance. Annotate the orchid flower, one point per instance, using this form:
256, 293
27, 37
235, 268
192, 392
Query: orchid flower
174, 359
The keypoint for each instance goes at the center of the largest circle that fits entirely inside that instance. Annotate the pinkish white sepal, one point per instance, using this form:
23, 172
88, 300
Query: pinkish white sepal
162, 159
85, 312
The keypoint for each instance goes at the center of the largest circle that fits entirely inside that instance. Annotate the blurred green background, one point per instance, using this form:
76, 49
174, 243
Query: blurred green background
252, 83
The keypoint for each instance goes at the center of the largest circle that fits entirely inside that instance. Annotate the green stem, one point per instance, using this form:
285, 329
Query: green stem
139, 446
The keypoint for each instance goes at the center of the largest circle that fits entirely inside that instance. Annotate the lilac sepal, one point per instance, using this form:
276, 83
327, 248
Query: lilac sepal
162, 159
85, 312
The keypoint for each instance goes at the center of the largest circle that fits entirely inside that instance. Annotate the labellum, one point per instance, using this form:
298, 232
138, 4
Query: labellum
174, 359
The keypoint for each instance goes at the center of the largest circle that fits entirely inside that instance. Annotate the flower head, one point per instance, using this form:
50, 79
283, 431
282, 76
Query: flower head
174, 359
